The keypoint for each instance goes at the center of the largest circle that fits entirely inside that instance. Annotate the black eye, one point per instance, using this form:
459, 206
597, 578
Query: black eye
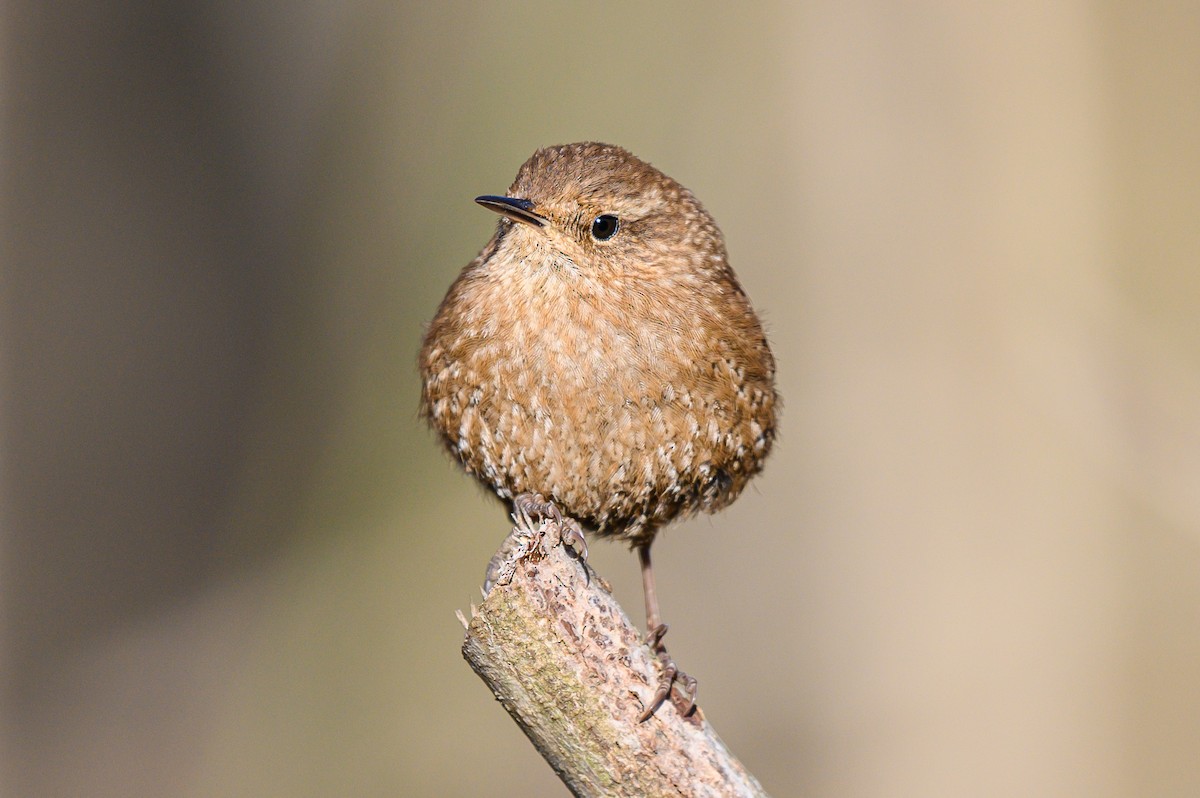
604, 226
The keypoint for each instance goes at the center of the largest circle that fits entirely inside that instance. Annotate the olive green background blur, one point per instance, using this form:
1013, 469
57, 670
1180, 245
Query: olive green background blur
231, 554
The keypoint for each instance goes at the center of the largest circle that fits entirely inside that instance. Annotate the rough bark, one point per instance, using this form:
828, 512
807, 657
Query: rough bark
571, 669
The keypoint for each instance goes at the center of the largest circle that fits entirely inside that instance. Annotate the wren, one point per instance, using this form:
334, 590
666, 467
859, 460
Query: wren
600, 356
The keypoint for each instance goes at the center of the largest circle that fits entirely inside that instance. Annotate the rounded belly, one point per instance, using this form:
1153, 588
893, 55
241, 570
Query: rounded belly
623, 465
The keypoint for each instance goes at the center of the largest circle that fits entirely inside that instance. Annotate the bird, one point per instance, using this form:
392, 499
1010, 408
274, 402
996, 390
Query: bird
599, 361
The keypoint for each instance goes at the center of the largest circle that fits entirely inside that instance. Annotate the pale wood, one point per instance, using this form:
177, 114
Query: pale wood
566, 662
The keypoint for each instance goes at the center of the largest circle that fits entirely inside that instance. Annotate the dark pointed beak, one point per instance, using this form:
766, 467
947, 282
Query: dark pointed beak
519, 210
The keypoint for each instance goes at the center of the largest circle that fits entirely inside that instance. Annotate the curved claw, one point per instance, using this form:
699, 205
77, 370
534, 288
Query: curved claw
660, 695
572, 535
690, 688
685, 698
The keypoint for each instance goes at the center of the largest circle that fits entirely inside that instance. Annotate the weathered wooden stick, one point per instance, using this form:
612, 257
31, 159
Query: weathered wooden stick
563, 658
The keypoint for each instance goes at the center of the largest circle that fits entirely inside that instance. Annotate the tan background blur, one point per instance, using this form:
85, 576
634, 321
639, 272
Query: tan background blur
231, 555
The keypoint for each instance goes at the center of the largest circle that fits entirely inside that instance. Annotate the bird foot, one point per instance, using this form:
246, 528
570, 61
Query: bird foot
528, 507
684, 698
533, 516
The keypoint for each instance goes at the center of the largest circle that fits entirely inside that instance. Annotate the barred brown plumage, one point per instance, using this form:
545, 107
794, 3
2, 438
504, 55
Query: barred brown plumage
600, 356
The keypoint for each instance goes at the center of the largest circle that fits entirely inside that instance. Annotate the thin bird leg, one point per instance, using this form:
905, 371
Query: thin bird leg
653, 621
685, 700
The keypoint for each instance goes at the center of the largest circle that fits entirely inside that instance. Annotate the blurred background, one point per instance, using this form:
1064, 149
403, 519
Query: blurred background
230, 553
